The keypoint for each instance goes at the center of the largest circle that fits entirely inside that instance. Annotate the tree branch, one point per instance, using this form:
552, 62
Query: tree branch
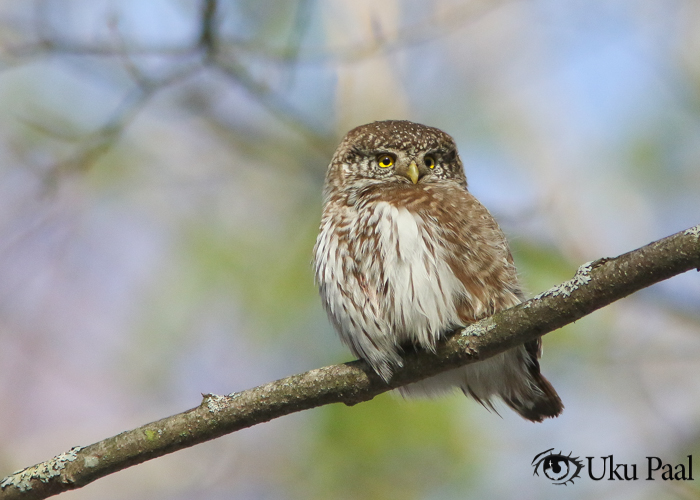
596, 284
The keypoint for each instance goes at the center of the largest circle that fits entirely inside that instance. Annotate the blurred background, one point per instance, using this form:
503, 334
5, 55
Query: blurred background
161, 166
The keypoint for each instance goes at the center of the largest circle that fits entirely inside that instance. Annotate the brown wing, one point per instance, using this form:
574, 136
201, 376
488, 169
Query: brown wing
482, 261
478, 255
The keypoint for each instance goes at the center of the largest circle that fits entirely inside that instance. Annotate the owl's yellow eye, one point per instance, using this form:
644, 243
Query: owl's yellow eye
385, 160
429, 161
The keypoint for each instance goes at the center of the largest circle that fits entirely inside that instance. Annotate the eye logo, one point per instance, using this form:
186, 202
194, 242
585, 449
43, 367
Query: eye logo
558, 468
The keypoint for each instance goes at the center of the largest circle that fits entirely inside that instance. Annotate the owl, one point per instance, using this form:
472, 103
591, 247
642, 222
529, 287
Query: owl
406, 254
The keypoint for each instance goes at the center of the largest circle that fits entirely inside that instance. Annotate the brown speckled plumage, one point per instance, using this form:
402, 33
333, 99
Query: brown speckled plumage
405, 254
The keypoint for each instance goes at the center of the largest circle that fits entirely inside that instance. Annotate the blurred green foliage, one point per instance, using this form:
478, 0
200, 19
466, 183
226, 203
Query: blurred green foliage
389, 448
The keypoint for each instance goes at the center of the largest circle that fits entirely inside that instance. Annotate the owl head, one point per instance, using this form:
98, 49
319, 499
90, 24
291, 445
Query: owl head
396, 153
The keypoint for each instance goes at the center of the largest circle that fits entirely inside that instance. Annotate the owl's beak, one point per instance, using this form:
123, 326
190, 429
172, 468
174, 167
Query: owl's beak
413, 173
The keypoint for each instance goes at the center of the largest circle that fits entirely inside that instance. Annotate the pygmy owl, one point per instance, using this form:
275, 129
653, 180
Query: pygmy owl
406, 254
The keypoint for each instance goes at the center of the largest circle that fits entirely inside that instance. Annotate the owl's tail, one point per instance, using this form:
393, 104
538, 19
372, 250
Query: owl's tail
542, 401
513, 375
538, 399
